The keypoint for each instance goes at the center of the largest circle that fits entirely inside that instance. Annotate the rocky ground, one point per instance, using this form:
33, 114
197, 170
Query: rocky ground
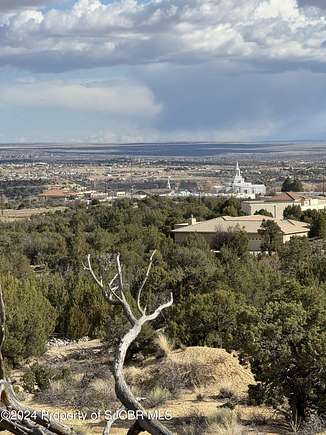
192, 385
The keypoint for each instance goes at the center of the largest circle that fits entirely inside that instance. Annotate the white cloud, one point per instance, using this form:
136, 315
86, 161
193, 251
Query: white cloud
92, 34
119, 98
287, 10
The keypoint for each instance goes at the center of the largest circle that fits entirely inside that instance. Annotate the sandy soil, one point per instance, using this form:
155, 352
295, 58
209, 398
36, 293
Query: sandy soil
14, 215
87, 356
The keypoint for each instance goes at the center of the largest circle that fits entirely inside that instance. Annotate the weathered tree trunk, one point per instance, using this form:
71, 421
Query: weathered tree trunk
122, 390
114, 293
135, 429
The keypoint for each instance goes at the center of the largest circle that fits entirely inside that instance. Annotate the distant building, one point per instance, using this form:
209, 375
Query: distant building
249, 224
241, 188
56, 193
278, 203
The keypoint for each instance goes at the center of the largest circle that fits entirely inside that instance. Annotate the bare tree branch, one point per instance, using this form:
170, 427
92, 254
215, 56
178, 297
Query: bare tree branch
123, 392
110, 292
12, 404
144, 283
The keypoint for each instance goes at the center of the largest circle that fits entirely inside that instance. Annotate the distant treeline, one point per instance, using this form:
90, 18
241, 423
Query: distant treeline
20, 189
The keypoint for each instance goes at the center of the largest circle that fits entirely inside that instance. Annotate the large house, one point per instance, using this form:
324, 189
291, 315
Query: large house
278, 203
249, 224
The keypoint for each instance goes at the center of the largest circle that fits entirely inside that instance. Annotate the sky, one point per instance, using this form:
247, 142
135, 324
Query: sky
162, 70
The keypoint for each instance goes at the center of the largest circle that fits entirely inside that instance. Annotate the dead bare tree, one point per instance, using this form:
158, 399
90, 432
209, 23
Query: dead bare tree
114, 293
14, 416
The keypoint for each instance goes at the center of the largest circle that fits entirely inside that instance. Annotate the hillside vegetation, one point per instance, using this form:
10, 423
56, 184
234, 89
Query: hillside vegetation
270, 310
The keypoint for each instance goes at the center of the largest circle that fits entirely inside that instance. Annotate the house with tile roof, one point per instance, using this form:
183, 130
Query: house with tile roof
278, 203
250, 224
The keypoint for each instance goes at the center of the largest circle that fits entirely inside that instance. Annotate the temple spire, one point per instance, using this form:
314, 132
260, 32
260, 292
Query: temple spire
237, 170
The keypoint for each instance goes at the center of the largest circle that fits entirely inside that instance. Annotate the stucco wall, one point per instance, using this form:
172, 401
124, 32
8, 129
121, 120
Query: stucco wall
287, 237
254, 239
276, 208
182, 237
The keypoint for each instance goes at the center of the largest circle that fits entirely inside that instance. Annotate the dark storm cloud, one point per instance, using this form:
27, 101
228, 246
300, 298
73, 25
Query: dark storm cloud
7, 5
319, 3
262, 105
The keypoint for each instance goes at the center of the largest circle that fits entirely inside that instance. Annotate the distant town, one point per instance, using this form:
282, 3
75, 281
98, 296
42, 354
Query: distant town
34, 183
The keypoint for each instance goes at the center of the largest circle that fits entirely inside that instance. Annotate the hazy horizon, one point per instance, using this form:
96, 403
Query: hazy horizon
177, 150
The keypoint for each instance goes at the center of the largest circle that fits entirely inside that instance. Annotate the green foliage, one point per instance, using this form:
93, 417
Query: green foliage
215, 314
318, 226
271, 236
30, 318
271, 309
29, 381
257, 394
231, 207
292, 185
255, 278
230, 210
263, 212
39, 376
293, 212
87, 312
285, 343
43, 376
295, 257
234, 239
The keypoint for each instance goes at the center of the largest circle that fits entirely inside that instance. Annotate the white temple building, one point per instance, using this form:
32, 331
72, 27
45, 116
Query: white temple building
242, 189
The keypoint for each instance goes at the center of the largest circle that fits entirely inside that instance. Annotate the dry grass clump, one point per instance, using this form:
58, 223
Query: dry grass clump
194, 424
100, 394
259, 417
82, 391
200, 394
315, 425
223, 422
164, 346
176, 377
171, 376
157, 397
226, 429
227, 391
